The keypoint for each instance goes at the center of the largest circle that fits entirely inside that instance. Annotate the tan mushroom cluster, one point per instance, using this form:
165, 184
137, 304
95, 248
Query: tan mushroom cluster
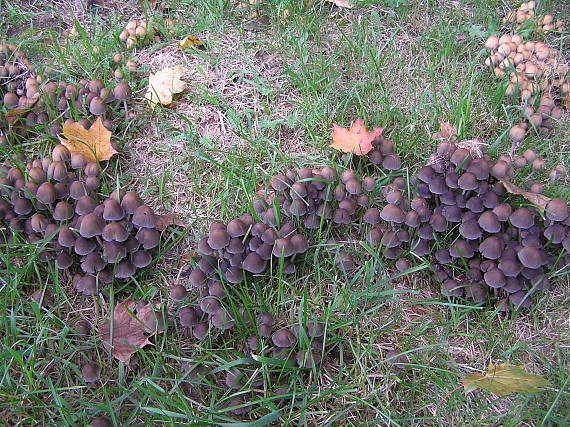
15, 68
55, 200
539, 80
526, 12
137, 33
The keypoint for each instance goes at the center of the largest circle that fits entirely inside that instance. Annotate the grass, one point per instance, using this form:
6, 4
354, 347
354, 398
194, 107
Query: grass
262, 98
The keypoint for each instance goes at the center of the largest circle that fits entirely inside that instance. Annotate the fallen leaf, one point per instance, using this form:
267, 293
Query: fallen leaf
536, 199
189, 41
342, 3
93, 143
163, 84
128, 330
356, 139
447, 132
164, 221
504, 379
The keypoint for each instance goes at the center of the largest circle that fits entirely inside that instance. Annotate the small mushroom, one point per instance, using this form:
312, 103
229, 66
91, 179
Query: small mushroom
91, 372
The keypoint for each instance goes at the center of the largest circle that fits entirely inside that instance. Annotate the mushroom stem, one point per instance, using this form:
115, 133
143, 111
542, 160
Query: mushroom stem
126, 110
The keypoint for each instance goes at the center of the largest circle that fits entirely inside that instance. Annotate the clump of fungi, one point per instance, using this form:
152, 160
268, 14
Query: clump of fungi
53, 202
526, 12
34, 103
137, 33
538, 79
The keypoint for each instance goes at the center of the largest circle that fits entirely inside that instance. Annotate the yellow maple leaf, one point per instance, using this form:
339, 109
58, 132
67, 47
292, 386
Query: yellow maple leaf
93, 143
163, 84
189, 41
504, 379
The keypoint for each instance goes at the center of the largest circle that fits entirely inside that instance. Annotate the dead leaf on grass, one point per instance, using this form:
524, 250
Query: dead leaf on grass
93, 143
504, 379
342, 3
356, 139
166, 220
447, 132
190, 41
164, 84
128, 330
536, 199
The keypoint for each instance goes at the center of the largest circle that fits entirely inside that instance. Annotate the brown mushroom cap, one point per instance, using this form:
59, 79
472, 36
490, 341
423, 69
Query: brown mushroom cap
522, 218
179, 293
468, 181
283, 338
531, 257
148, 237
461, 249
46, 193
112, 210
91, 372
557, 210
114, 232
131, 202
84, 246
218, 239
63, 211
392, 213
236, 228
86, 285
188, 317
254, 263
489, 222
85, 205
91, 226
495, 278
451, 288
124, 270
392, 162
92, 263
144, 217
122, 91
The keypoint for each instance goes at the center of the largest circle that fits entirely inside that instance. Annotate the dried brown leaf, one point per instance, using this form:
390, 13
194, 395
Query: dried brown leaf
166, 220
356, 139
93, 143
447, 132
128, 330
536, 199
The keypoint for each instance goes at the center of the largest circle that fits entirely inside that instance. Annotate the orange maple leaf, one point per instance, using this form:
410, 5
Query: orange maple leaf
356, 139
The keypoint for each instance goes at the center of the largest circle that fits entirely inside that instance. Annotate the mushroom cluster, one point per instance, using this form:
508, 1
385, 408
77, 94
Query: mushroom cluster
46, 104
526, 12
15, 68
137, 33
538, 78
533, 69
301, 344
507, 251
53, 202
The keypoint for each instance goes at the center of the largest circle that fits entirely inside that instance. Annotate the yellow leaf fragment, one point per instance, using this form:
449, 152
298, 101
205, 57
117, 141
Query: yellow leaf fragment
504, 379
93, 143
342, 3
190, 41
164, 84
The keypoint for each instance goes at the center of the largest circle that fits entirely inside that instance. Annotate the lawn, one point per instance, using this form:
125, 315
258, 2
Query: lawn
263, 92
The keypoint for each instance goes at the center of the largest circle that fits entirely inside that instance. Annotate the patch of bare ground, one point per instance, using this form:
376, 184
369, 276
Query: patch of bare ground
233, 93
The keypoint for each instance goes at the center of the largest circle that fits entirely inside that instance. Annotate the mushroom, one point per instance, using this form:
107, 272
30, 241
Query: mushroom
178, 293
283, 338
143, 217
91, 372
